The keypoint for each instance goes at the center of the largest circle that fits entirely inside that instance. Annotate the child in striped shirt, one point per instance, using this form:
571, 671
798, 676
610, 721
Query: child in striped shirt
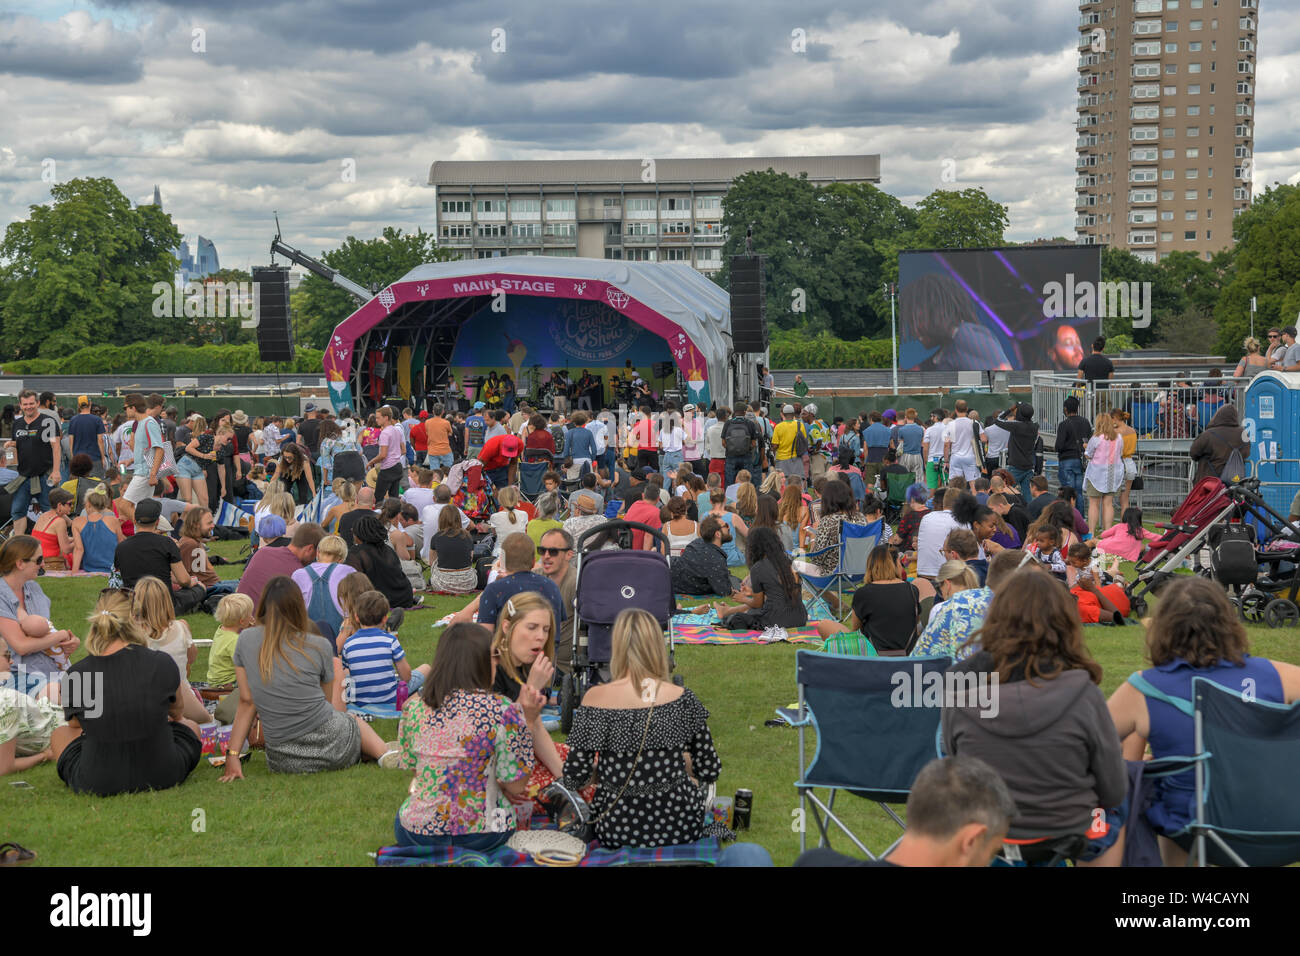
373, 657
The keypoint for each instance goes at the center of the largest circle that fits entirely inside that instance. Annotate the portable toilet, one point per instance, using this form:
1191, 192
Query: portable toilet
1273, 415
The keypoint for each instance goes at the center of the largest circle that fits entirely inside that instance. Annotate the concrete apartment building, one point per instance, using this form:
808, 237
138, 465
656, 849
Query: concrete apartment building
660, 210
1165, 123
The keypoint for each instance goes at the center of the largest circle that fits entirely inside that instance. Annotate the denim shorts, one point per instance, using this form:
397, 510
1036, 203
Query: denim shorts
187, 467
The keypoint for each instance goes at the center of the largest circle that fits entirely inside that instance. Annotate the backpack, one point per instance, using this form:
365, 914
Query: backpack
321, 607
736, 438
801, 445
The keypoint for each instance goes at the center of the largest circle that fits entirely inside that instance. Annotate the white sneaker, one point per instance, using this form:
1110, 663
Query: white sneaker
773, 635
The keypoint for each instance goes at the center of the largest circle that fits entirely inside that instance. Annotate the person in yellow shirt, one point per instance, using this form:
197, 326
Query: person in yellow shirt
784, 443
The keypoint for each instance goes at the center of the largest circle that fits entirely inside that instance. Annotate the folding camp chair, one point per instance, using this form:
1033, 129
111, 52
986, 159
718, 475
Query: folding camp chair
856, 542
897, 494
1247, 771
867, 742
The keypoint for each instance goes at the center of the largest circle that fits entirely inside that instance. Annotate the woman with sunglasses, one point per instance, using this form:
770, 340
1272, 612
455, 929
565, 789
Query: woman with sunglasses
34, 663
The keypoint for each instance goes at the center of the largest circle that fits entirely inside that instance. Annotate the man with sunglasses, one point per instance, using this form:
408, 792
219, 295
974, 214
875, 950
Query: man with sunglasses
1287, 356
555, 553
1274, 343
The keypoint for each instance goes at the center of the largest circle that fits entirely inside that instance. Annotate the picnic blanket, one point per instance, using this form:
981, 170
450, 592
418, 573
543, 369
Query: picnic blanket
817, 608
712, 634
704, 852
75, 574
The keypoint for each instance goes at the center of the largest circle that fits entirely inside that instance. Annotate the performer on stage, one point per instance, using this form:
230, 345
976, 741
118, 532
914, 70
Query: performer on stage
492, 390
559, 392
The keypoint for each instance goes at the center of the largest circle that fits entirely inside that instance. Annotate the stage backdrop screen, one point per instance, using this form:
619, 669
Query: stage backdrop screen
1022, 307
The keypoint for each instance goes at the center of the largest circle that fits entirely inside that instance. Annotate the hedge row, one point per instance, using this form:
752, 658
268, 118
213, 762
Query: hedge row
164, 359
791, 350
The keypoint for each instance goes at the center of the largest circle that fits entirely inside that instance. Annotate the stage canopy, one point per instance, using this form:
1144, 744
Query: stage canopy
591, 311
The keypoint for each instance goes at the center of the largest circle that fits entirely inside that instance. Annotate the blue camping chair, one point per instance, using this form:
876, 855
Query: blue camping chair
866, 744
1146, 417
856, 542
531, 473
1247, 772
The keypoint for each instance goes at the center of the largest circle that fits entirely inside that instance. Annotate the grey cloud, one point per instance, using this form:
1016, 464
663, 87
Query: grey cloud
61, 50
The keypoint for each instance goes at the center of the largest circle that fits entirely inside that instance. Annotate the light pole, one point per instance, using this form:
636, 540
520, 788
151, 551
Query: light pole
890, 289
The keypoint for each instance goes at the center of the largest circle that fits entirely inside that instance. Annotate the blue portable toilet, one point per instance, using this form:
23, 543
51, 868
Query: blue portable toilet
1273, 407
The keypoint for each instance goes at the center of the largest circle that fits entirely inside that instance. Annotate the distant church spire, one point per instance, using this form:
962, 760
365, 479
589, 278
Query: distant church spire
157, 197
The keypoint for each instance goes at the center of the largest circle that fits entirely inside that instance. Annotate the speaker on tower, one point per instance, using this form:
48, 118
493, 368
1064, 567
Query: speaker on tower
748, 304
271, 313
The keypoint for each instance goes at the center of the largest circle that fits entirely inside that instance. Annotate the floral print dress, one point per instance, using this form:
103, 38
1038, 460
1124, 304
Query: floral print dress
452, 750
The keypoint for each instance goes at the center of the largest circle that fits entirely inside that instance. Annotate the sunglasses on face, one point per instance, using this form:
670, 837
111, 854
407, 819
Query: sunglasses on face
552, 552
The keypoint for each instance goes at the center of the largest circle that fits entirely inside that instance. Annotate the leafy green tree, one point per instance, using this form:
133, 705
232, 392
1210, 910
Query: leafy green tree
373, 263
222, 330
81, 270
946, 219
1167, 297
1267, 266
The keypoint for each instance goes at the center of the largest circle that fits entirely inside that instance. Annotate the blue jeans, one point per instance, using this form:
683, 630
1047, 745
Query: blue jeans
222, 588
736, 464
438, 461
1022, 476
23, 498
1070, 472
669, 461
467, 841
745, 854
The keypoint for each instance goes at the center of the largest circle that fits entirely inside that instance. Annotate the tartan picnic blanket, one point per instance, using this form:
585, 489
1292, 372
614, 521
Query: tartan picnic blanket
703, 852
712, 634
75, 574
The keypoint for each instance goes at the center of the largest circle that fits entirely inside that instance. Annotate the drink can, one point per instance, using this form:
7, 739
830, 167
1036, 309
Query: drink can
743, 807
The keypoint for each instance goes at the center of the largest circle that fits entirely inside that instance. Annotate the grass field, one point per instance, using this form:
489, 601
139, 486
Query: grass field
335, 819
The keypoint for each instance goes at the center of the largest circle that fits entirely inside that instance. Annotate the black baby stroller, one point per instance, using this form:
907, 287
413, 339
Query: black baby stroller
609, 582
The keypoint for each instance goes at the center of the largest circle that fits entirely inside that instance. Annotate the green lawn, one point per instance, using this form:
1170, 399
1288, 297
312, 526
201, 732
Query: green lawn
337, 818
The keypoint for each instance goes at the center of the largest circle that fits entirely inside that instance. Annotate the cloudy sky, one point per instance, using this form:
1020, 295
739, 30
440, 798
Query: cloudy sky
242, 107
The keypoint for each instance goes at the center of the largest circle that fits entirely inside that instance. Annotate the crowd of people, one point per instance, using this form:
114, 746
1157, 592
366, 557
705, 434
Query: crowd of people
355, 521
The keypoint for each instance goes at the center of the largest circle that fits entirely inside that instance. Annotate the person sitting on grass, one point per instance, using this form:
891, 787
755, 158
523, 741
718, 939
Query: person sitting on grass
523, 646
773, 598
1045, 549
1126, 540
374, 658
26, 723
319, 582
1043, 726
151, 604
1097, 601
95, 535
702, 567
286, 676
516, 578
53, 530
233, 614
470, 748
886, 611
133, 735
953, 627
960, 545
640, 725
1195, 632
370, 553
958, 812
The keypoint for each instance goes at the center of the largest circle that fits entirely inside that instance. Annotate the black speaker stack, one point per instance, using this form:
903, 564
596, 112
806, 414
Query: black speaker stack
748, 304
271, 310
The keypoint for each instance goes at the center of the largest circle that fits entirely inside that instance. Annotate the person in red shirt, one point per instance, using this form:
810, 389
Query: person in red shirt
646, 437
499, 456
645, 511
420, 438
539, 436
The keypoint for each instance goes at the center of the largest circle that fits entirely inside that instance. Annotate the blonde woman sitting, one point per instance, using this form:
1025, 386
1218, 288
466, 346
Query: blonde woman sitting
151, 606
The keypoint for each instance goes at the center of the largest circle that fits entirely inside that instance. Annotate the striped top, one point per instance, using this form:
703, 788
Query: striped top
369, 655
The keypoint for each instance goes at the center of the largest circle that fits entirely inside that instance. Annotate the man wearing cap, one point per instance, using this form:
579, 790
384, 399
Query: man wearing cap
784, 442
151, 553
475, 431
499, 456
1019, 421
309, 429
1286, 357
87, 430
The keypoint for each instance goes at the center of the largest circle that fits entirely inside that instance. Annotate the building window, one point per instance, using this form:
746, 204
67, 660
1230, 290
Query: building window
1189, 194
1167, 132
613, 253
1140, 133
1146, 48
1194, 46
1141, 175
1190, 173
1194, 25
1171, 68
490, 205
708, 202
1171, 91
1166, 174
1193, 111
1193, 153
641, 229
711, 229
1146, 6
1189, 235
1144, 112
676, 228
494, 230
1166, 195
612, 201
1143, 27
1166, 154
1194, 89
1144, 70
525, 206
456, 205
458, 231
1171, 26
525, 230
640, 205
559, 206
561, 230
1166, 237
674, 204
1190, 215
1171, 47
1166, 216
1193, 68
